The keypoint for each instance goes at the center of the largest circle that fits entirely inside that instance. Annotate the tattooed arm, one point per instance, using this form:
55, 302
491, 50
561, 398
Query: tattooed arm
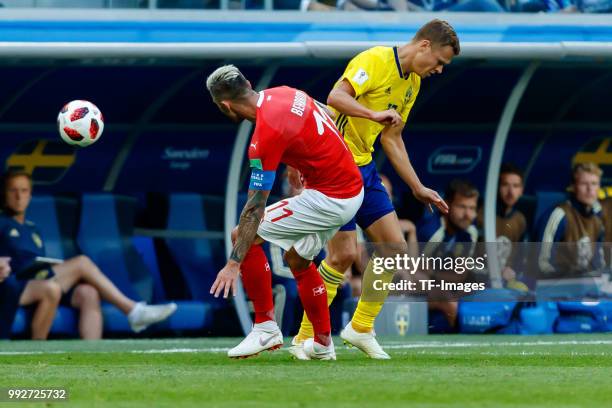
251, 216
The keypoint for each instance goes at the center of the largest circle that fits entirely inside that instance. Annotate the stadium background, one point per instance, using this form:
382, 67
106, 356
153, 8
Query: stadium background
151, 202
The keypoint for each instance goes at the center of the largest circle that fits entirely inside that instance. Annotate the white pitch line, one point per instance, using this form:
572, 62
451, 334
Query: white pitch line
395, 346
182, 350
496, 344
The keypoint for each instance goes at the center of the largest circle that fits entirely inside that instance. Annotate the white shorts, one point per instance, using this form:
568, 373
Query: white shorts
307, 221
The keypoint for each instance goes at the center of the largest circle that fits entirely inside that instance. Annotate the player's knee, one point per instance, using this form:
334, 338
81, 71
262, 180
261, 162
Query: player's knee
84, 261
342, 260
52, 291
86, 297
295, 261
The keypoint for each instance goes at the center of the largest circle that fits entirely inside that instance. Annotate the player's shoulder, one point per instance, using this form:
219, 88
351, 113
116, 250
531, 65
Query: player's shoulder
280, 108
472, 232
376, 54
520, 217
5, 219
8, 225
278, 98
552, 222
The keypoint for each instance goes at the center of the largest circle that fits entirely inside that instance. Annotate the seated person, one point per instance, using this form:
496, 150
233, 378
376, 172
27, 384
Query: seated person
422, 5
575, 220
510, 225
78, 278
43, 295
445, 235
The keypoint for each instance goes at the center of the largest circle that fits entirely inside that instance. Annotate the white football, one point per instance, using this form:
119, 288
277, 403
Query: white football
80, 123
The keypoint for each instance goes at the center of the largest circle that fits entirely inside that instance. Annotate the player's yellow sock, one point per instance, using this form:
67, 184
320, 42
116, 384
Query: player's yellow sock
332, 279
366, 312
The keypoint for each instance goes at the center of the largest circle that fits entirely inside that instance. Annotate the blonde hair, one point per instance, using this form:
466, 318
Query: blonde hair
227, 83
586, 167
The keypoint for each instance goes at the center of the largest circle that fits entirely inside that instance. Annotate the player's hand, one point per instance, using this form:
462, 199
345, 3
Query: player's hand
429, 197
508, 274
5, 267
227, 279
388, 117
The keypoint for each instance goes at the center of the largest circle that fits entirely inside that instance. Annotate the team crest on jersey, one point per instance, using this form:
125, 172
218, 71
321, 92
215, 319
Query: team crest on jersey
361, 76
37, 240
14, 233
408, 95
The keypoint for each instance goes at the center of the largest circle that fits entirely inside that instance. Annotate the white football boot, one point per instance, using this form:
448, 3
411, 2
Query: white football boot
316, 351
264, 336
365, 342
143, 315
297, 349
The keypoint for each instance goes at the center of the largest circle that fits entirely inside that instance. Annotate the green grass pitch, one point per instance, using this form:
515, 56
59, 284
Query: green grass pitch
426, 371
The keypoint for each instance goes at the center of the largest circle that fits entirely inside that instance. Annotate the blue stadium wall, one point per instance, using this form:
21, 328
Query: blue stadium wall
182, 142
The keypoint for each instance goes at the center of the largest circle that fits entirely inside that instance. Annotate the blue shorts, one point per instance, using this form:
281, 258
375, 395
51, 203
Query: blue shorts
376, 202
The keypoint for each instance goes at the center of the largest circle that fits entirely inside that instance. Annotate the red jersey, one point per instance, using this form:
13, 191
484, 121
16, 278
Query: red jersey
292, 129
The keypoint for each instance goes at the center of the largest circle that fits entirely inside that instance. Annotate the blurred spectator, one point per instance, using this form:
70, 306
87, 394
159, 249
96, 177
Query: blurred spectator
560, 6
422, 5
445, 237
492, 6
594, 6
43, 295
574, 221
378, 5
303, 5
510, 225
541, 6
83, 284
314, 5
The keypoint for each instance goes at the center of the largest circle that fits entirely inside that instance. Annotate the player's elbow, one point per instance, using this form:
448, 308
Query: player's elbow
331, 98
334, 99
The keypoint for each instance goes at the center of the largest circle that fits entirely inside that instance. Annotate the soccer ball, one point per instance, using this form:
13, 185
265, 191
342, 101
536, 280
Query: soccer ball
80, 123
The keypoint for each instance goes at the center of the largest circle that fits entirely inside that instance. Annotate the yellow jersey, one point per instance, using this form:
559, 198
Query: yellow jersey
379, 84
